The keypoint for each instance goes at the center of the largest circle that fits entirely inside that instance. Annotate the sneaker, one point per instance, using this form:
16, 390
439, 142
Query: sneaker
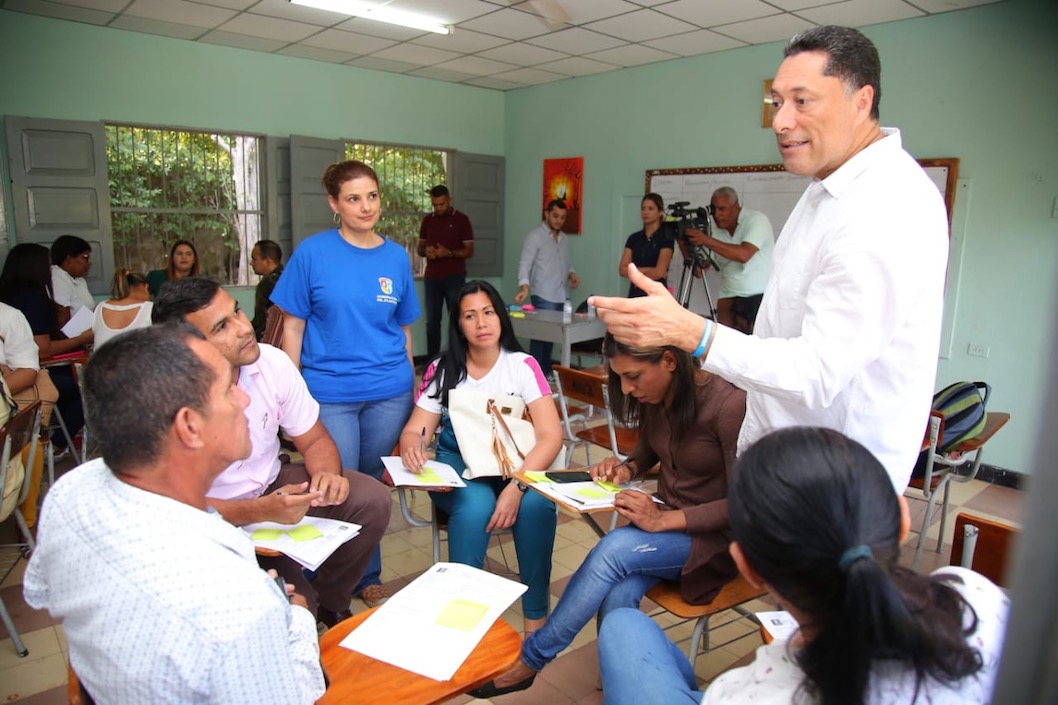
373, 595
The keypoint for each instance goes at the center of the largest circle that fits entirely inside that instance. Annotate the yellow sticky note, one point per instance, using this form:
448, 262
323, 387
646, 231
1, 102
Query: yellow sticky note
266, 534
463, 615
304, 533
536, 476
592, 493
608, 486
428, 476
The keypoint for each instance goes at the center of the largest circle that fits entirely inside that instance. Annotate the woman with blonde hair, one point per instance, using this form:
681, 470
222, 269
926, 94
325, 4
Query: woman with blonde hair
128, 308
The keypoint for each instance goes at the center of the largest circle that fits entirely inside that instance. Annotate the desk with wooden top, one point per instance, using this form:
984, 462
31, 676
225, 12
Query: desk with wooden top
356, 678
548, 325
569, 505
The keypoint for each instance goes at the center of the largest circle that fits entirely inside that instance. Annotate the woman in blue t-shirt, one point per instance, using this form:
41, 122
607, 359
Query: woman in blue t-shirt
349, 301
649, 249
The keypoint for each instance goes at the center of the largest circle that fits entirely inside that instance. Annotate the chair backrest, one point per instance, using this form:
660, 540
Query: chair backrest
20, 431
990, 552
581, 386
273, 331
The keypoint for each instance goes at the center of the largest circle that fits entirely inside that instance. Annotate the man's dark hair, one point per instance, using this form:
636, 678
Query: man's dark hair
68, 246
183, 296
851, 57
556, 203
135, 385
270, 249
438, 191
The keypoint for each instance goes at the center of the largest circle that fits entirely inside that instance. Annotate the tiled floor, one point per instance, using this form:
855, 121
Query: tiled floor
40, 678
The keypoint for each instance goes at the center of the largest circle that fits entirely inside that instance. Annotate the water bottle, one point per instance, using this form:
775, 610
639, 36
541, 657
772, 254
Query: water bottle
591, 310
567, 312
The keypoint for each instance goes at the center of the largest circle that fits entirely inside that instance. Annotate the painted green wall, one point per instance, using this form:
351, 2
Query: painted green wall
975, 84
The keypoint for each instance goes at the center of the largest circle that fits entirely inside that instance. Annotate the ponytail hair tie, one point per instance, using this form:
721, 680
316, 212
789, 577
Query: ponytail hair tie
852, 555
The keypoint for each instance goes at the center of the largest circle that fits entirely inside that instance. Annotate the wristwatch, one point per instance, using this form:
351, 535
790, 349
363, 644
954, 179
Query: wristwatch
521, 487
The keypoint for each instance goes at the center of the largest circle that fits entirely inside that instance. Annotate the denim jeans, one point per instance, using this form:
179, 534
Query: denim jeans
541, 349
364, 431
617, 573
641, 666
469, 510
441, 290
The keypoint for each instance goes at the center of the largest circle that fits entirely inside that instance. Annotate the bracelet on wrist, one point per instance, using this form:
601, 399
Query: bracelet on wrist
706, 337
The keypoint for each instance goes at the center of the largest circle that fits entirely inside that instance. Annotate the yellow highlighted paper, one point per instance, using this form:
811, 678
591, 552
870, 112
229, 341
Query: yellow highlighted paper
429, 476
305, 533
536, 476
266, 535
608, 486
463, 615
593, 493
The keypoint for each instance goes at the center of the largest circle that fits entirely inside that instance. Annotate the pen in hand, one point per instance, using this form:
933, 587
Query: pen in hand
422, 441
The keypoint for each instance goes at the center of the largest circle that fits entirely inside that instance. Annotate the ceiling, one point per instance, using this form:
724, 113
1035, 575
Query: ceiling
496, 44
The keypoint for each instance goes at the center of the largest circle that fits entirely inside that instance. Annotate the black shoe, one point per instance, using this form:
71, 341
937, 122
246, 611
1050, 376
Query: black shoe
489, 690
329, 618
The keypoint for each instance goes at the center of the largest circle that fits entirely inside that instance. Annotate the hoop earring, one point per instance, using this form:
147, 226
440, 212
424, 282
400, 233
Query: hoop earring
337, 219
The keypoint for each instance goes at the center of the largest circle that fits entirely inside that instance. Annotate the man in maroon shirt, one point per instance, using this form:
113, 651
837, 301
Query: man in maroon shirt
446, 240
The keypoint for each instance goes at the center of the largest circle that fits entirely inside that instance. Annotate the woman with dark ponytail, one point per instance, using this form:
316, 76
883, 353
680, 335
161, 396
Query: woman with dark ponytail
815, 521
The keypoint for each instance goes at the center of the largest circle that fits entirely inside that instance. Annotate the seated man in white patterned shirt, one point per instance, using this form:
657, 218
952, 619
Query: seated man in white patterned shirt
161, 600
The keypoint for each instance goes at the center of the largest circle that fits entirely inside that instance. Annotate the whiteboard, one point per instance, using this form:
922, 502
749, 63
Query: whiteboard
768, 188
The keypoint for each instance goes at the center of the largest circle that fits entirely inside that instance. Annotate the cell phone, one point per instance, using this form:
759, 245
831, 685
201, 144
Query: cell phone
282, 586
577, 476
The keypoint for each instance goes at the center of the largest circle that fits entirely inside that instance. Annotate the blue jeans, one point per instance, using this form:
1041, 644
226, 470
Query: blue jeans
541, 349
469, 510
438, 292
617, 573
641, 666
364, 431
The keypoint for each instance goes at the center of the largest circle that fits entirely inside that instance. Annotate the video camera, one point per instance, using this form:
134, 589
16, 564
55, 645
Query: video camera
684, 218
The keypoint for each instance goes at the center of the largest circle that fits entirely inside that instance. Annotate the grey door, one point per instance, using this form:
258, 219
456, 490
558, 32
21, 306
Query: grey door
309, 158
477, 190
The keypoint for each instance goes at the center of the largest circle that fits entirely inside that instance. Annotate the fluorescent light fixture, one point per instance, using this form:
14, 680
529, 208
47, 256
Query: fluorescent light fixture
379, 13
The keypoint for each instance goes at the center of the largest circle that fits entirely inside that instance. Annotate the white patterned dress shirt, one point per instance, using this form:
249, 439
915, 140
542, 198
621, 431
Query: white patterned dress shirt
164, 603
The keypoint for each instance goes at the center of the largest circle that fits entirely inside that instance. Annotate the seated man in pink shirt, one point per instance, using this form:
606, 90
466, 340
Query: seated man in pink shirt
261, 488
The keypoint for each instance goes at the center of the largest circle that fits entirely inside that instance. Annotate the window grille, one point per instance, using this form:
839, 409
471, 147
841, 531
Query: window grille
406, 175
168, 185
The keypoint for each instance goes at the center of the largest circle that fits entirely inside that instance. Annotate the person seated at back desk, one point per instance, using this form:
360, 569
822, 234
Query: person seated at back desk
266, 259
160, 600
260, 487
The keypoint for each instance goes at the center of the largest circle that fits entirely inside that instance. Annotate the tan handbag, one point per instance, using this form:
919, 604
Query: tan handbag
494, 431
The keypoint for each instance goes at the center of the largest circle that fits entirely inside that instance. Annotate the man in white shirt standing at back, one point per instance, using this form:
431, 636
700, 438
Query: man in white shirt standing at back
162, 600
848, 332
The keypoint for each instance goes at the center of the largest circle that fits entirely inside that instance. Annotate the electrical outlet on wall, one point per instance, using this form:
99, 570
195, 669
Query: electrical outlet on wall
977, 350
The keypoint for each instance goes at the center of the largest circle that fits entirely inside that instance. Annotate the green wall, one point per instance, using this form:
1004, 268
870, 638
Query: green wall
974, 84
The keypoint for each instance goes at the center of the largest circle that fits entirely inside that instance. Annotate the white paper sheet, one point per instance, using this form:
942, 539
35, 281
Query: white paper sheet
310, 553
781, 625
79, 322
584, 495
432, 625
434, 474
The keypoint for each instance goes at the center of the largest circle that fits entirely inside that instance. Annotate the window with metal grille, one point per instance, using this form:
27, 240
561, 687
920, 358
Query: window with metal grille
168, 185
405, 175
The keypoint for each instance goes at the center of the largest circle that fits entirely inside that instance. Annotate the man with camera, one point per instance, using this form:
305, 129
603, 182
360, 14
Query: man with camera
742, 244
848, 331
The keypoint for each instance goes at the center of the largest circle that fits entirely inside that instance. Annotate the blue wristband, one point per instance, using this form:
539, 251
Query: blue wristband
706, 335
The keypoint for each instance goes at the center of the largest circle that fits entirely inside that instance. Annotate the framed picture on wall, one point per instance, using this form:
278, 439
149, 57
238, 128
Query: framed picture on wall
564, 179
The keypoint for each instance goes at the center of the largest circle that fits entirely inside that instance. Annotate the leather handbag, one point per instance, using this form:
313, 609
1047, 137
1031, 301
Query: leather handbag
494, 431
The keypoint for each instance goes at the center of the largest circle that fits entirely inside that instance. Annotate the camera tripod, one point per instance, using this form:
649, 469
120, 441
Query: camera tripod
702, 259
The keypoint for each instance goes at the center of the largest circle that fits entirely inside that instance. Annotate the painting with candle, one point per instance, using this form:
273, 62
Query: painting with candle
564, 178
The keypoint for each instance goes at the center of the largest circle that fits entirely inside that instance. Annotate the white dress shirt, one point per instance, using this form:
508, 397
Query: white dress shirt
18, 349
68, 291
164, 603
545, 264
848, 333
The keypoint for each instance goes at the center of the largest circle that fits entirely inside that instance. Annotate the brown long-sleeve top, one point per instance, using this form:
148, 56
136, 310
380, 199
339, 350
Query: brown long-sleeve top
694, 477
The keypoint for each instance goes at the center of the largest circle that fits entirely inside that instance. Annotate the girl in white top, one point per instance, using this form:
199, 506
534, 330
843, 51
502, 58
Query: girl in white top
484, 354
816, 522
130, 307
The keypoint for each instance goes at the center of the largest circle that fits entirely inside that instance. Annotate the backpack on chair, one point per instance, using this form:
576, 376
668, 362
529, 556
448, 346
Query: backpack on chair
963, 406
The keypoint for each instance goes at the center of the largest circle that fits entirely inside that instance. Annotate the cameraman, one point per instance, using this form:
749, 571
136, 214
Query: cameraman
743, 245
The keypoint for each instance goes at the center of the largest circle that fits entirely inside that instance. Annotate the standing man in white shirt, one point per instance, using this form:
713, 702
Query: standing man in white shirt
743, 244
162, 600
849, 328
546, 264
71, 259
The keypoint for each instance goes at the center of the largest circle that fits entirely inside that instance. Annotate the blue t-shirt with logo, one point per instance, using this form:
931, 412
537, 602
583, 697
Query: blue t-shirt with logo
354, 302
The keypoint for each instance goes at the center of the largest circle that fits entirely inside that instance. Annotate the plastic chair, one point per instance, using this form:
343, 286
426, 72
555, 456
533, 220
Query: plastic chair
590, 388
941, 470
667, 596
20, 431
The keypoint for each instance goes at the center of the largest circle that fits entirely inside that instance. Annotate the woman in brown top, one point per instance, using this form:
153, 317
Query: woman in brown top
689, 422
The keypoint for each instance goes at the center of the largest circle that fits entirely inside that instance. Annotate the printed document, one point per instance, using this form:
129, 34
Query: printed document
309, 542
434, 474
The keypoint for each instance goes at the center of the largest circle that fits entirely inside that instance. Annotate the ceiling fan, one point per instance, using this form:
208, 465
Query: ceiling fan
552, 12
